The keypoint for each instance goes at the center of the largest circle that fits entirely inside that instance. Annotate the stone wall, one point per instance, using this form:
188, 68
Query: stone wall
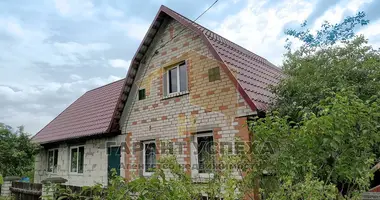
95, 168
207, 106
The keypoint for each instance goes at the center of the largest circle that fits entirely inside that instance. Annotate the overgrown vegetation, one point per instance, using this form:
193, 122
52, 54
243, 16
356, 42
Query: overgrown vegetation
16, 152
166, 183
321, 138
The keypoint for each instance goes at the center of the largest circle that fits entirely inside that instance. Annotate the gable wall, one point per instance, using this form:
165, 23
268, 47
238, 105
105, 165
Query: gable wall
209, 106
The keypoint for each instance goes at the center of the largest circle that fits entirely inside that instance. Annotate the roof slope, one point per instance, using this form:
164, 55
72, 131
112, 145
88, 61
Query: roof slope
251, 74
91, 114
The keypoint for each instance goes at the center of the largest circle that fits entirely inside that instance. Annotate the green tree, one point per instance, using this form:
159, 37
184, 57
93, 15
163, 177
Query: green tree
321, 137
333, 146
16, 151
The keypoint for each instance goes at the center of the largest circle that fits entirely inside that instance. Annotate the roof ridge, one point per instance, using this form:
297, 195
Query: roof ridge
223, 38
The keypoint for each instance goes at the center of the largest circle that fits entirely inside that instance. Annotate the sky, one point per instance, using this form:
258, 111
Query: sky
53, 51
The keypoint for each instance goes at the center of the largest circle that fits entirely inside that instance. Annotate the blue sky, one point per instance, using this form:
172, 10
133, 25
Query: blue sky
55, 50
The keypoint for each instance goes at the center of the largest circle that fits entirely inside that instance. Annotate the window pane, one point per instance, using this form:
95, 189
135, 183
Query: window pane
55, 160
205, 154
183, 77
165, 83
150, 157
141, 94
173, 80
80, 159
50, 161
74, 160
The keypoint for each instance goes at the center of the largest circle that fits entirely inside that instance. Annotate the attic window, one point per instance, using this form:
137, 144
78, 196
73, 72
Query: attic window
142, 94
213, 74
175, 79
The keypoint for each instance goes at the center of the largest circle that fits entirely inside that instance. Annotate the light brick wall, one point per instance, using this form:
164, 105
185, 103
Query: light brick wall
95, 163
209, 106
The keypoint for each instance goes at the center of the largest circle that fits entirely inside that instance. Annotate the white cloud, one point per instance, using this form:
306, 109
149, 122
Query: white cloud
62, 6
83, 49
119, 63
112, 12
75, 8
259, 28
135, 28
35, 105
75, 77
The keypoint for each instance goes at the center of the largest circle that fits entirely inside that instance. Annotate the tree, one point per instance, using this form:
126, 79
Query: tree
329, 61
322, 134
16, 151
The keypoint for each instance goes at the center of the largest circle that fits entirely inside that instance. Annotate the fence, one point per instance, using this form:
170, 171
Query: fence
26, 191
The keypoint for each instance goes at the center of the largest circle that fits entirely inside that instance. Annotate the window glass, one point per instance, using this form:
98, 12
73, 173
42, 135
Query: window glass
165, 83
55, 163
74, 160
50, 161
80, 159
150, 157
183, 77
173, 80
141, 94
205, 154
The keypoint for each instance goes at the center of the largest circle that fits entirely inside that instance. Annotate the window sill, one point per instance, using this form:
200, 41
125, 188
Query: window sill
75, 174
203, 176
147, 174
176, 94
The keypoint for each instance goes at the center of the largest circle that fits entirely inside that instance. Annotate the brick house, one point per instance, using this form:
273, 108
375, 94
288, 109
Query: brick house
74, 143
189, 86
186, 87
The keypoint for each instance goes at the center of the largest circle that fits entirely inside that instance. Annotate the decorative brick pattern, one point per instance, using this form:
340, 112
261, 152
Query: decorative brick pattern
208, 104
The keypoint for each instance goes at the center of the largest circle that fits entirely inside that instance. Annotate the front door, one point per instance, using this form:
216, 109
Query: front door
113, 160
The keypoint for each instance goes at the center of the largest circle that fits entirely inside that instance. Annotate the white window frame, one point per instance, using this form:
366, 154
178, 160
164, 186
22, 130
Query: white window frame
145, 173
53, 160
194, 157
178, 79
76, 147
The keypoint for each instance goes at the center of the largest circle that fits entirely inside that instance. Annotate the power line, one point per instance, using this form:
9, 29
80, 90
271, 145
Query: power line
155, 52
204, 12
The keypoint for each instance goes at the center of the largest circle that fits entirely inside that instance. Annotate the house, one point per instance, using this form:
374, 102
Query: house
75, 142
187, 87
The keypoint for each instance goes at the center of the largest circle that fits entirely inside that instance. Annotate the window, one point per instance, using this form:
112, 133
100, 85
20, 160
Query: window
204, 156
76, 159
175, 79
142, 94
213, 74
53, 160
149, 157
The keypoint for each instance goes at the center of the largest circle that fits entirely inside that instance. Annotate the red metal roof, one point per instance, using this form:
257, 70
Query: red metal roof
251, 74
92, 114
97, 111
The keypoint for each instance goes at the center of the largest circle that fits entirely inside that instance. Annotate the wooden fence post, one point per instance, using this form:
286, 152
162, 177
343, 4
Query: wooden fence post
5, 188
49, 185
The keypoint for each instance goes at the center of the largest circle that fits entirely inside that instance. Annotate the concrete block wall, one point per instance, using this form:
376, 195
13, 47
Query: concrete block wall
5, 191
208, 106
95, 167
